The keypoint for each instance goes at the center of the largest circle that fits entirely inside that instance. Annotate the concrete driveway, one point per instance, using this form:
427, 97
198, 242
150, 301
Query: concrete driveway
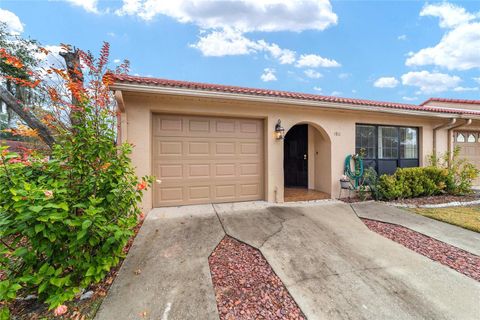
332, 265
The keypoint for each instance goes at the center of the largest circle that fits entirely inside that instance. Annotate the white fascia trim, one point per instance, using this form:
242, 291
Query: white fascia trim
289, 101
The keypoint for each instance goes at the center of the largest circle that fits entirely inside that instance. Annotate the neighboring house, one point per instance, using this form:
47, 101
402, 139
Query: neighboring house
213, 143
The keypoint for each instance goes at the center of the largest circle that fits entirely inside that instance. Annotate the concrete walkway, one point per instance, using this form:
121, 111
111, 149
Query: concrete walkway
456, 236
171, 252
331, 263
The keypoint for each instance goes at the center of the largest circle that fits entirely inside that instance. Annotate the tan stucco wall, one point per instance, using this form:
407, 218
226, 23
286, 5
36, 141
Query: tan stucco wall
335, 126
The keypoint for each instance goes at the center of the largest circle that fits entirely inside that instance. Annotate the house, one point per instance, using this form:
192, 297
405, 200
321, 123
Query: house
208, 143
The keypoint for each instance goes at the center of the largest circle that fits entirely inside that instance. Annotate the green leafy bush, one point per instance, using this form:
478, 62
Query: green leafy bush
461, 173
65, 221
446, 174
412, 182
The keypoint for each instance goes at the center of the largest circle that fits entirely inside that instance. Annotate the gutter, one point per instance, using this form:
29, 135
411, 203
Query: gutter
286, 101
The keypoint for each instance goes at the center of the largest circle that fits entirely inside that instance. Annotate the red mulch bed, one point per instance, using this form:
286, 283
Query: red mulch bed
246, 286
453, 257
438, 199
77, 309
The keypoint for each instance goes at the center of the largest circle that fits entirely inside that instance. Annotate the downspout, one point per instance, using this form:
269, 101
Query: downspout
450, 130
436, 128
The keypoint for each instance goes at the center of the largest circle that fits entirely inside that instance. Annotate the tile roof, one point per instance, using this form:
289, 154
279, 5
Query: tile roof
123, 78
451, 101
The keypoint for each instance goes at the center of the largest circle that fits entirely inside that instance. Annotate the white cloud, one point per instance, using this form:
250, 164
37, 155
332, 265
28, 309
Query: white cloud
386, 82
477, 79
459, 47
344, 75
449, 14
430, 82
335, 93
12, 21
117, 61
458, 50
464, 89
129, 7
225, 23
313, 74
410, 98
229, 42
225, 43
243, 15
402, 37
87, 5
284, 56
268, 75
317, 89
315, 61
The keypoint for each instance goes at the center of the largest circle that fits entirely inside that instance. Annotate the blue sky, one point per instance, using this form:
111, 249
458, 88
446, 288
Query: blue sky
405, 51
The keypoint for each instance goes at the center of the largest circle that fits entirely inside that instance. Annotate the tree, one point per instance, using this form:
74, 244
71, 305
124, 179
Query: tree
60, 92
17, 58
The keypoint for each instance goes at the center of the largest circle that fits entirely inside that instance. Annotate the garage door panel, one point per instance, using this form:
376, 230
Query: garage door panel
225, 127
170, 194
249, 148
168, 148
168, 171
197, 148
168, 126
249, 189
250, 169
225, 170
224, 148
227, 191
201, 126
199, 193
198, 170
207, 159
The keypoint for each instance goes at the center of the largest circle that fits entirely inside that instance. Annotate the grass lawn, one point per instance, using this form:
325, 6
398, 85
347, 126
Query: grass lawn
465, 217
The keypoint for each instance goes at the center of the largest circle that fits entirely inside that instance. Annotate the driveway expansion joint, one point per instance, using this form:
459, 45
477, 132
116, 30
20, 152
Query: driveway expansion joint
219, 219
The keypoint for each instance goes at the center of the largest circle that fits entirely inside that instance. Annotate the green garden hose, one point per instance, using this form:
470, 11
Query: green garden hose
358, 172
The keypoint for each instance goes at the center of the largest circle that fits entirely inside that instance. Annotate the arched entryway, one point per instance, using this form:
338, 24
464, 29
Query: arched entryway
306, 163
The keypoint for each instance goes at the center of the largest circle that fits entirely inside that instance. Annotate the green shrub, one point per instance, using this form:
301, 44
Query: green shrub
447, 173
64, 222
461, 173
412, 182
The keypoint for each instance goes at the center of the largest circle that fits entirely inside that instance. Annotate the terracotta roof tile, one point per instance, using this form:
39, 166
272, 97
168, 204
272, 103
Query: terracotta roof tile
277, 93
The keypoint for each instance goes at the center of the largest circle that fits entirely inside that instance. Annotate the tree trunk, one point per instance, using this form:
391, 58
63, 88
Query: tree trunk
29, 118
72, 61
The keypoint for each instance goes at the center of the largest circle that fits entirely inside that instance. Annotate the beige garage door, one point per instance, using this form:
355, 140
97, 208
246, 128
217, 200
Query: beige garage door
207, 159
469, 143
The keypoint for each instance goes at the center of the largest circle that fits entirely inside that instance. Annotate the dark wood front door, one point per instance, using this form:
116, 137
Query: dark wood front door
295, 163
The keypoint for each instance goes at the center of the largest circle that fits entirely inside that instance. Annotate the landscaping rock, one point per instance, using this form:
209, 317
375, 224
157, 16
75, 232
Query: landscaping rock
246, 286
27, 298
453, 257
86, 295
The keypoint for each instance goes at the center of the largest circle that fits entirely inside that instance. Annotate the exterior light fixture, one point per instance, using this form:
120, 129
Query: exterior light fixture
279, 131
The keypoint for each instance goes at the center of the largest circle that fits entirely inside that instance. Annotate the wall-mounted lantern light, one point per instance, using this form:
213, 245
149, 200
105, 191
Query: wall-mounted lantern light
279, 131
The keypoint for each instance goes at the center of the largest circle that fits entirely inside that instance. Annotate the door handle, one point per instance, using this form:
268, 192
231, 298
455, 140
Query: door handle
304, 157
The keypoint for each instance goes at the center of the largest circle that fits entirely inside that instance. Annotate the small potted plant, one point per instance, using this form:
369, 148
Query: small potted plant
345, 182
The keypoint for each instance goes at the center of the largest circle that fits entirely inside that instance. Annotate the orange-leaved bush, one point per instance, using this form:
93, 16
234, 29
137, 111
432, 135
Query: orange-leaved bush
65, 219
